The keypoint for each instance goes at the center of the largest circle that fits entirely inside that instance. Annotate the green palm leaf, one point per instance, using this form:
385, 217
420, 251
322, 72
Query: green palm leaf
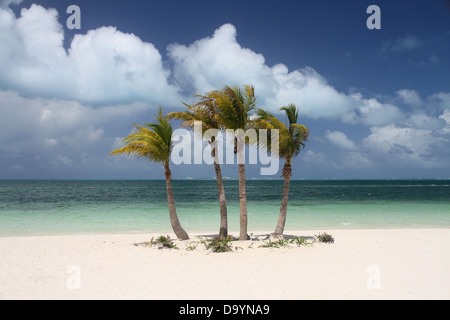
152, 141
292, 136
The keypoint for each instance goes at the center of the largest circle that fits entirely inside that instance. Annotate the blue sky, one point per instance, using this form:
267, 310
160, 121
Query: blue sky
377, 102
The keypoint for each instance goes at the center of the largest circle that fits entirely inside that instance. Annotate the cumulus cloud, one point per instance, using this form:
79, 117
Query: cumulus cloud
103, 66
310, 92
113, 66
213, 62
410, 97
106, 66
340, 140
41, 133
350, 155
397, 139
69, 107
420, 120
372, 112
441, 100
406, 147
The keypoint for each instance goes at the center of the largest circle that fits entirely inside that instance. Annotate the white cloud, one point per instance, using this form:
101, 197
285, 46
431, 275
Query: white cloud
441, 100
340, 140
33, 58
371, 112
310, 92
112, 70
410, 97
49, 128
213, 62
407, 147
416, 141
113, 66
420, 120
349, 157
104, 66
446, 117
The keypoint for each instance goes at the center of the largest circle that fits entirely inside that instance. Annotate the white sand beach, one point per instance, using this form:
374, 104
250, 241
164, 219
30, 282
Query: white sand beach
361, 264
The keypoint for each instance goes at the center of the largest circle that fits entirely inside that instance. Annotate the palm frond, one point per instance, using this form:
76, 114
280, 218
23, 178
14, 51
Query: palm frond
203, 111
292, 137
291, 112
235, 106
152, 141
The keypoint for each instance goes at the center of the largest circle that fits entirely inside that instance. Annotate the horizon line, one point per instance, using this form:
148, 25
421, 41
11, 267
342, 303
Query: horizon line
225, 178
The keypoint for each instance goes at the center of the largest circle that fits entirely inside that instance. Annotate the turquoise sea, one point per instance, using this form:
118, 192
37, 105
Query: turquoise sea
84, 207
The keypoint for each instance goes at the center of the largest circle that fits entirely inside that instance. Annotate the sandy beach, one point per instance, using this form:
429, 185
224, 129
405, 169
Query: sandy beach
361, 264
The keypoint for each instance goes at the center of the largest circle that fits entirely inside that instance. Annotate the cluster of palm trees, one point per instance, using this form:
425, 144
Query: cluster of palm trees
227, 108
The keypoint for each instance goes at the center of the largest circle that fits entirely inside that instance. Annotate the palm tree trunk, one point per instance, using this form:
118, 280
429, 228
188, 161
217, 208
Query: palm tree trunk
287, 172
223, 231
283, 210
243, 235
239, 149
176, 226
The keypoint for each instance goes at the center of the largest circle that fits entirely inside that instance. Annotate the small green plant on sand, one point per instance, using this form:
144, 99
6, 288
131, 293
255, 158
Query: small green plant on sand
164, 242
281, 243
192, 246
284, 243
217, 245
299, 241
324, 238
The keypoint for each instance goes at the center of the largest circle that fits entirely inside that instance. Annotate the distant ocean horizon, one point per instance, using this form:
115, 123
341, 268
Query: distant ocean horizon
53, 207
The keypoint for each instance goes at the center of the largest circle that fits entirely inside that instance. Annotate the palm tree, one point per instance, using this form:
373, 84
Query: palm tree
154, 142
292, 139
206, 112
235, 106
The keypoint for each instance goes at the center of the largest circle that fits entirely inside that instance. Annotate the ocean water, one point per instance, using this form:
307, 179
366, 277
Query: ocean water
84, 207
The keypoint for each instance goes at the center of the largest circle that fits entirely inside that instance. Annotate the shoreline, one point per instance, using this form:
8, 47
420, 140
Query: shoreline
362, 264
